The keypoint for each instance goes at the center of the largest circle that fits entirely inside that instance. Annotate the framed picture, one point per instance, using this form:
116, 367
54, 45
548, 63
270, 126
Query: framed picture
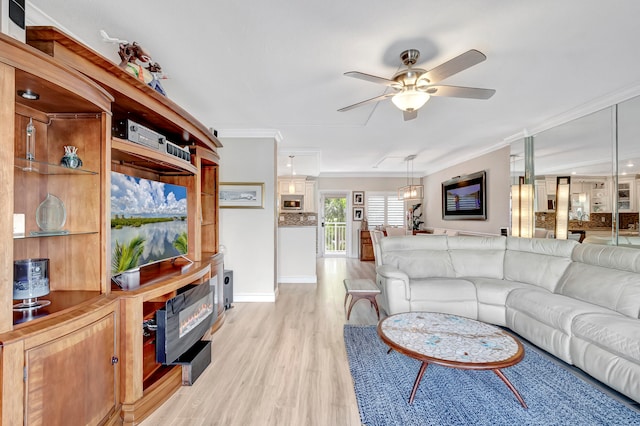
358, 198
358, 213
241, 195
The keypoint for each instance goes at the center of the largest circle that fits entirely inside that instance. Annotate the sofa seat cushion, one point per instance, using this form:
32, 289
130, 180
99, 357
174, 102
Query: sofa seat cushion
613, 332
554, 310
492, 291
449, 289
448, 295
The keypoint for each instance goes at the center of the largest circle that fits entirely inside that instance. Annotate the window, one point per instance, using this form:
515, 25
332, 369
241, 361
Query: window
384, 208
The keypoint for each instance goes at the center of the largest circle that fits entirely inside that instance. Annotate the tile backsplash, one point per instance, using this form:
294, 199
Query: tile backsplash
547, 220
298, 219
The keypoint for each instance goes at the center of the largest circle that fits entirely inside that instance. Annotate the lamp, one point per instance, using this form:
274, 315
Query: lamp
410, 191
292, 184
522, 209
410, 99
563, 184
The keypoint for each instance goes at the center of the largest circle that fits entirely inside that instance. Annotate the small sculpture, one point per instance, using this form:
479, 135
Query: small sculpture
71, 159
130, 53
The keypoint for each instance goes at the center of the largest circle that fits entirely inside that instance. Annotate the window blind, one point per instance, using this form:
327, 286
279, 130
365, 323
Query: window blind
384, 209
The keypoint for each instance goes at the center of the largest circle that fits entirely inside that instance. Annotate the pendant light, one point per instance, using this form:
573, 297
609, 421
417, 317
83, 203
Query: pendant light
410, 191
292, 184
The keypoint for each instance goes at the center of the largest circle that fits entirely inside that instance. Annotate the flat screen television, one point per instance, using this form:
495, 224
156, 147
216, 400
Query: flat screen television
464, 197
148, 222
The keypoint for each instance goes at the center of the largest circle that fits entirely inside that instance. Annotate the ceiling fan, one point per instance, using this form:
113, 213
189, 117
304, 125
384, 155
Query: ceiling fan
412, 87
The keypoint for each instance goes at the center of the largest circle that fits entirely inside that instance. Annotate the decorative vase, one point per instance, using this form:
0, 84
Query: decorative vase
71, 159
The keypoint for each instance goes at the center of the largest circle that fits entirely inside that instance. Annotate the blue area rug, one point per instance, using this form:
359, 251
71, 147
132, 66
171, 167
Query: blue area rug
448, 396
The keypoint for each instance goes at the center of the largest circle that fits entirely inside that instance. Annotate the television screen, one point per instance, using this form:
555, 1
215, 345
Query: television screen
464, 197
148, 222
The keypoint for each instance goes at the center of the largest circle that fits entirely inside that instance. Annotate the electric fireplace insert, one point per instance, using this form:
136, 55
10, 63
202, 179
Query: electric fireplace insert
183, 321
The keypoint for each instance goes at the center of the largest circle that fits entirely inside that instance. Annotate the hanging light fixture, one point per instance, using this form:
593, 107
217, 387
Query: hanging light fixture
410, 191
563, 184
292, 184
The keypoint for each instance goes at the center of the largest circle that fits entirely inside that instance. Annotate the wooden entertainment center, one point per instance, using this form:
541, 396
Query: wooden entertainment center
84, 356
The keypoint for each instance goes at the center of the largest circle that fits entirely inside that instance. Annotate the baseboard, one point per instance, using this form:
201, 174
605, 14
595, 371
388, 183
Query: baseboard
300, 279
253, 297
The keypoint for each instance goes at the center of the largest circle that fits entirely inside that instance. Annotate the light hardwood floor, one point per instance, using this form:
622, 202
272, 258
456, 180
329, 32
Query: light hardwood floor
281, 363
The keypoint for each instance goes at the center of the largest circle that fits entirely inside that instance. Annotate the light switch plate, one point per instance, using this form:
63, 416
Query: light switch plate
18, 224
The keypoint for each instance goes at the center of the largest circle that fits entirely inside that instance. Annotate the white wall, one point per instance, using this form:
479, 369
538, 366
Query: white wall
249, 235
496, 164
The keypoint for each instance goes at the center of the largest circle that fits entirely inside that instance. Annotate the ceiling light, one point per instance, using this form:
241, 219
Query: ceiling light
410, 99
28, 94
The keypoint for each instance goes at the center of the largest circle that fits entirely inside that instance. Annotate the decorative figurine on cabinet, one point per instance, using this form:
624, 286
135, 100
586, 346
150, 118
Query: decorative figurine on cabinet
132, 52
71, 159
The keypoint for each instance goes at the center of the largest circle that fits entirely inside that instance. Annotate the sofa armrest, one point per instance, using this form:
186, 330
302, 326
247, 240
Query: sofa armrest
391, 274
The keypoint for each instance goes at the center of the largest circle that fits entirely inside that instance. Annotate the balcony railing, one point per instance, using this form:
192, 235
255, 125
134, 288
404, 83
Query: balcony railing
335, 237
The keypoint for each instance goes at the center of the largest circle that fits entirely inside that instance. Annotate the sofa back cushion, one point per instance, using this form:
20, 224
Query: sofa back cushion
608, 276
477, 256
418, 257
537, 261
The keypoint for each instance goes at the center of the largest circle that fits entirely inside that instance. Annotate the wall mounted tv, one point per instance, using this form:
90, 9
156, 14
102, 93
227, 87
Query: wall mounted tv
148, 222
464, 197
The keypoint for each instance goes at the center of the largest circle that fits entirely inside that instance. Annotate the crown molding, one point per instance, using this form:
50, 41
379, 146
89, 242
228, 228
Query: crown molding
587, 108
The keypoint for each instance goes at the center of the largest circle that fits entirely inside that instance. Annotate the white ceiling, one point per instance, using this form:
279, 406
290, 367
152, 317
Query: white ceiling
278, 65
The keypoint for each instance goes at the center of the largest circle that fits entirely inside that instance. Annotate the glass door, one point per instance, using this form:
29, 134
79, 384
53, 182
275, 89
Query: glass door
333, 222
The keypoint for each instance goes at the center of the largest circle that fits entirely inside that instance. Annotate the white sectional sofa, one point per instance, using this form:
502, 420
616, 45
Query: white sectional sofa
580, 302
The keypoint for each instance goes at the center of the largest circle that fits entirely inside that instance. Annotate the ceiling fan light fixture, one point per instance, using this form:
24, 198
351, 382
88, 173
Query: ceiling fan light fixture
410, 99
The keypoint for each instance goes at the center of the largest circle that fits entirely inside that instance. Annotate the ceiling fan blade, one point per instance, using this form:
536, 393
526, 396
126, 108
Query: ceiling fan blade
409, 115
458, 92
454, 66
368, 101
371, 78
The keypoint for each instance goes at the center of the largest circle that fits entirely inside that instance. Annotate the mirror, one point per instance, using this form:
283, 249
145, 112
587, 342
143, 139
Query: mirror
602, 189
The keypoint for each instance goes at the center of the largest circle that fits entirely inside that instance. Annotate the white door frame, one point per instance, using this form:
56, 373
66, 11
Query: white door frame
334, 194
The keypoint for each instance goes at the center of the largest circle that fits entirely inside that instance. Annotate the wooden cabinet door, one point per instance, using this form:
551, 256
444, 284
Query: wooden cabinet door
366, 246
71, 380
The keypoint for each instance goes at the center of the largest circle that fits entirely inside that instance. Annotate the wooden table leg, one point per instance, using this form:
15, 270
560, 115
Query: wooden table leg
374, 303
423, 368
354, 299
510, 386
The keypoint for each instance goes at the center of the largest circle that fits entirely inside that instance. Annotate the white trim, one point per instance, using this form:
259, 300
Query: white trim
363, 174
578, 112
300, 279
254, 297
251, 133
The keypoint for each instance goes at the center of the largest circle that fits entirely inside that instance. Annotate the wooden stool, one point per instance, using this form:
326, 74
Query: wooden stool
361, 288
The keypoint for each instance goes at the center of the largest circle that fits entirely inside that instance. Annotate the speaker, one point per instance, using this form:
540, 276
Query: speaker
227, 290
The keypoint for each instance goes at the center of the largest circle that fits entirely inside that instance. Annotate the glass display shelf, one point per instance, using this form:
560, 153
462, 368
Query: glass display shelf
43, 168
42, 234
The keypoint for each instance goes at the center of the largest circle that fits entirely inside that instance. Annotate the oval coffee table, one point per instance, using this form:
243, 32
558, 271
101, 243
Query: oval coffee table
451, 341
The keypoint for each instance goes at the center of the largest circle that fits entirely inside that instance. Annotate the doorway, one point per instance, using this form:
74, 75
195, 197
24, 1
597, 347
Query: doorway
332, 232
